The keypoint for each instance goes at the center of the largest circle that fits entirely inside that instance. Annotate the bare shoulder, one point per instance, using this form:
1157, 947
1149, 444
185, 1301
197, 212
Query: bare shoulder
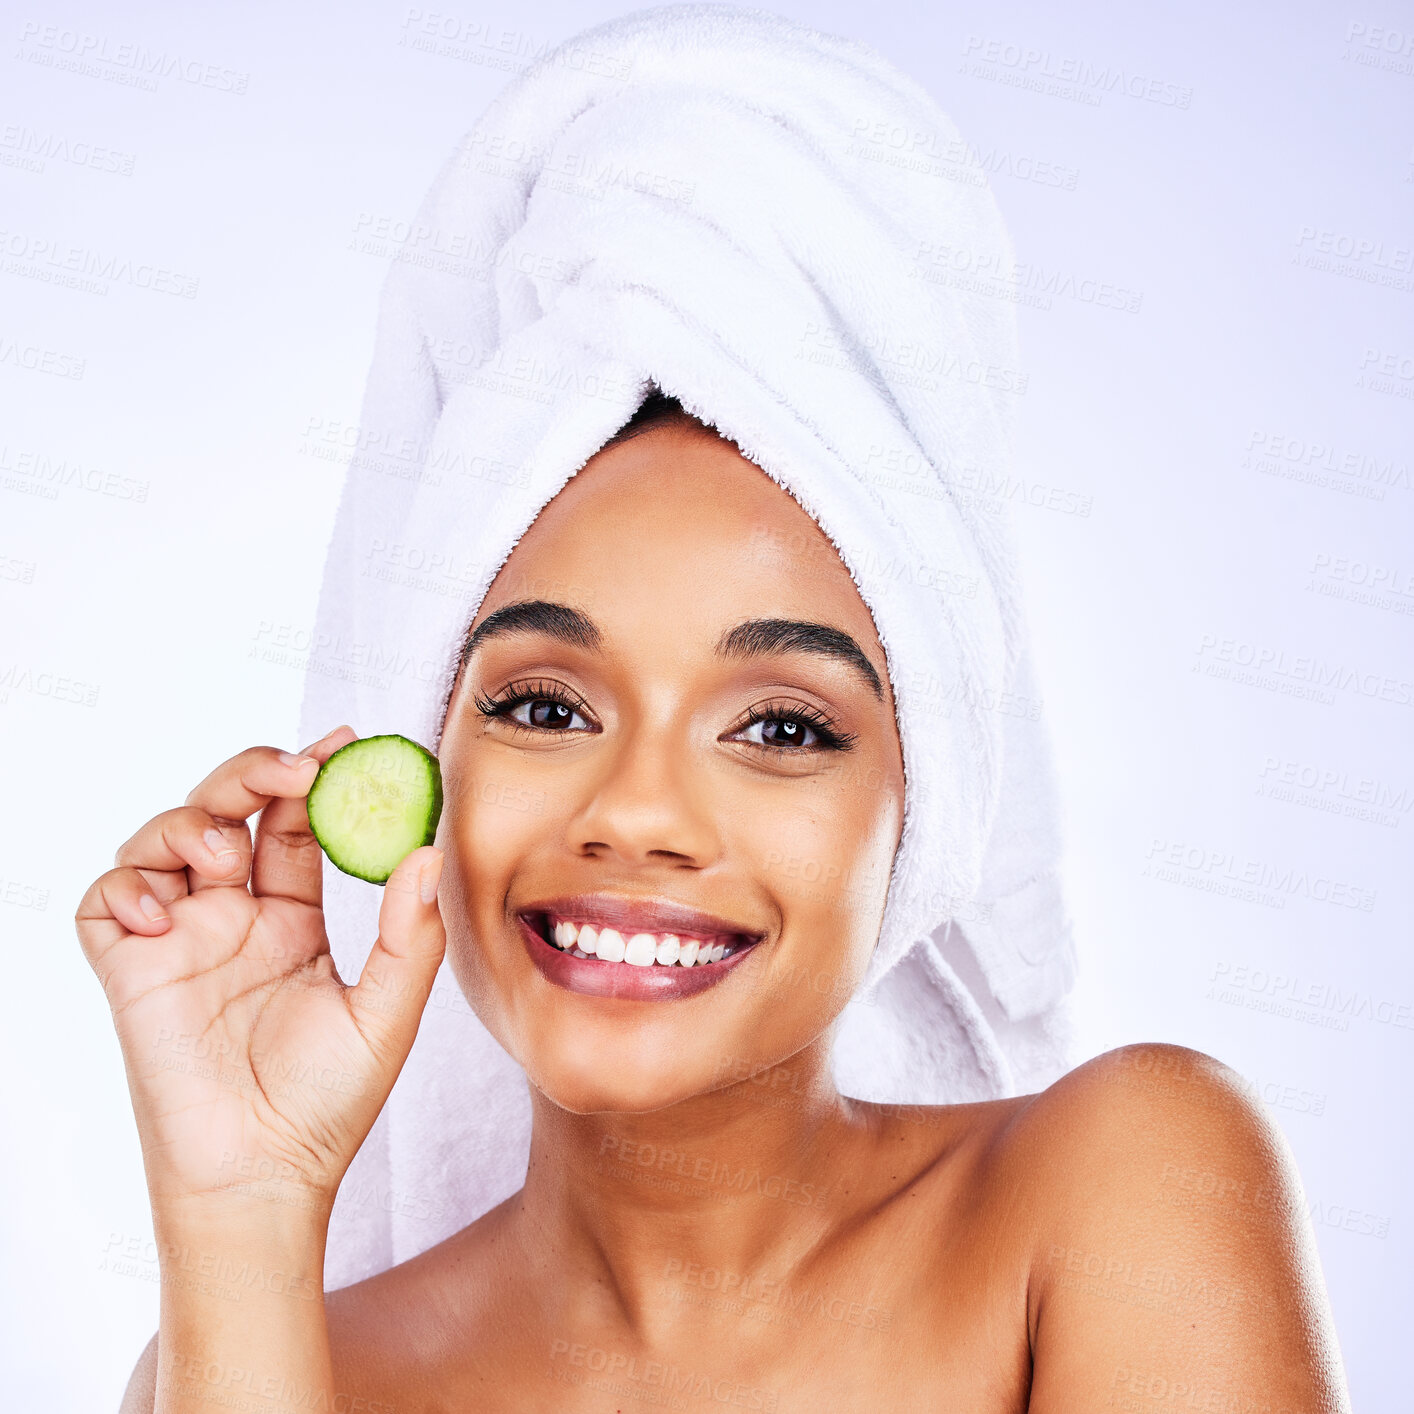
399, 1338
1112, 1115
1171, 1249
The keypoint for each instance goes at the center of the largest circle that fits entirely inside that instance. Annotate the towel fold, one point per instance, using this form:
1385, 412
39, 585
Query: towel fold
729, 206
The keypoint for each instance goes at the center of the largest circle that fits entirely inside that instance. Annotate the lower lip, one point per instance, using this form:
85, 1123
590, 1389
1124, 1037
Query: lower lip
592, 978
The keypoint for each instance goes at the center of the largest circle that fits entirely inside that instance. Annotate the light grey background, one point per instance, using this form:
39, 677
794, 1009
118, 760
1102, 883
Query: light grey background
1220, 475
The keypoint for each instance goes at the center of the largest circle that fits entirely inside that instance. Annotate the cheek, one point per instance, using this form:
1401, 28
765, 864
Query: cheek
489, 829
827, 859
493, 823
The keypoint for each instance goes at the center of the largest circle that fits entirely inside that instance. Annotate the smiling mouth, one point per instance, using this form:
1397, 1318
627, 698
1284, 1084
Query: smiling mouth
658, 952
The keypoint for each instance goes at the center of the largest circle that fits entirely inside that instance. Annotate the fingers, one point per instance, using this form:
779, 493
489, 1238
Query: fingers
190, 848
397, 979
118, 904
250, 780
287, 859
125, 896
202, 844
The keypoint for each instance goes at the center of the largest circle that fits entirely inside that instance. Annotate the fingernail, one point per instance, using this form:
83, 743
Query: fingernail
327, 735
215, 841
290, 759
428, 879
151, 907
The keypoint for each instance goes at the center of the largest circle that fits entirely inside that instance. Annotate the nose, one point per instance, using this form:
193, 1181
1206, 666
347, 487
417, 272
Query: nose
650, 802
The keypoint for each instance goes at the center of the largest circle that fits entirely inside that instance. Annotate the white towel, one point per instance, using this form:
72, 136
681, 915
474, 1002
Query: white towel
746, 213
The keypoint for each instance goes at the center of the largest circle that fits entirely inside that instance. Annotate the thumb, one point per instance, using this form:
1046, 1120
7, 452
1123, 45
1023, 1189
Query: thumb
397, 979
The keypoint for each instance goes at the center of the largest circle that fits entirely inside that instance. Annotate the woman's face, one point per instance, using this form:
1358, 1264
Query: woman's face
679, 702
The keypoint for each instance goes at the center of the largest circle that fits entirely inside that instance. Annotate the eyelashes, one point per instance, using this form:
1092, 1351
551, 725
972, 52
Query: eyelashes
518, 694
829, 735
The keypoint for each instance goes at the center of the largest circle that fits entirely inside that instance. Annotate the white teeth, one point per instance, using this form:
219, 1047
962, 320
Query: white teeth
584, 940
611, 945
640, 950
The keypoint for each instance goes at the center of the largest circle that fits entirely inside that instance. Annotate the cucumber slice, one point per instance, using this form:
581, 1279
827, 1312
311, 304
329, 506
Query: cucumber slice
373, 802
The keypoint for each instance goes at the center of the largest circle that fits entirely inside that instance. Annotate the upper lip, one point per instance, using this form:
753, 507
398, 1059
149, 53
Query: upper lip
640, 915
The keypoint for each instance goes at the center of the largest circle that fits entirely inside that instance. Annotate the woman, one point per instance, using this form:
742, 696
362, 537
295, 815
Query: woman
704, 1218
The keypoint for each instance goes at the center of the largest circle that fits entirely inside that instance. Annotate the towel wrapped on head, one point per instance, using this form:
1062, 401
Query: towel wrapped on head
752, 217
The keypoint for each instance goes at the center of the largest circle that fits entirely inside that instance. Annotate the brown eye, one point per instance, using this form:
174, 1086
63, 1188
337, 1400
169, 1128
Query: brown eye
795, 729
548, 709
543, 713
784, 732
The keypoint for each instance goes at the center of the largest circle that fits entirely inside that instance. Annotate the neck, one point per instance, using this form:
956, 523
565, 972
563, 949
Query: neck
740, 1183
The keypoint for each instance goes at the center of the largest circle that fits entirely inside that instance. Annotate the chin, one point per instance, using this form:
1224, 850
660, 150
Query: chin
592, 1082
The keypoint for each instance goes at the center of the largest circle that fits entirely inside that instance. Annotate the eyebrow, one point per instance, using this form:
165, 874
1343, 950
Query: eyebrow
753, 638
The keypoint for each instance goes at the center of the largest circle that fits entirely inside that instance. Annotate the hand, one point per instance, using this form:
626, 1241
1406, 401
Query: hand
248, 1057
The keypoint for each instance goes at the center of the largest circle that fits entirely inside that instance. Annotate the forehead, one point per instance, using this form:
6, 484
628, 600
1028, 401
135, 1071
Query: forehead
676, 524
